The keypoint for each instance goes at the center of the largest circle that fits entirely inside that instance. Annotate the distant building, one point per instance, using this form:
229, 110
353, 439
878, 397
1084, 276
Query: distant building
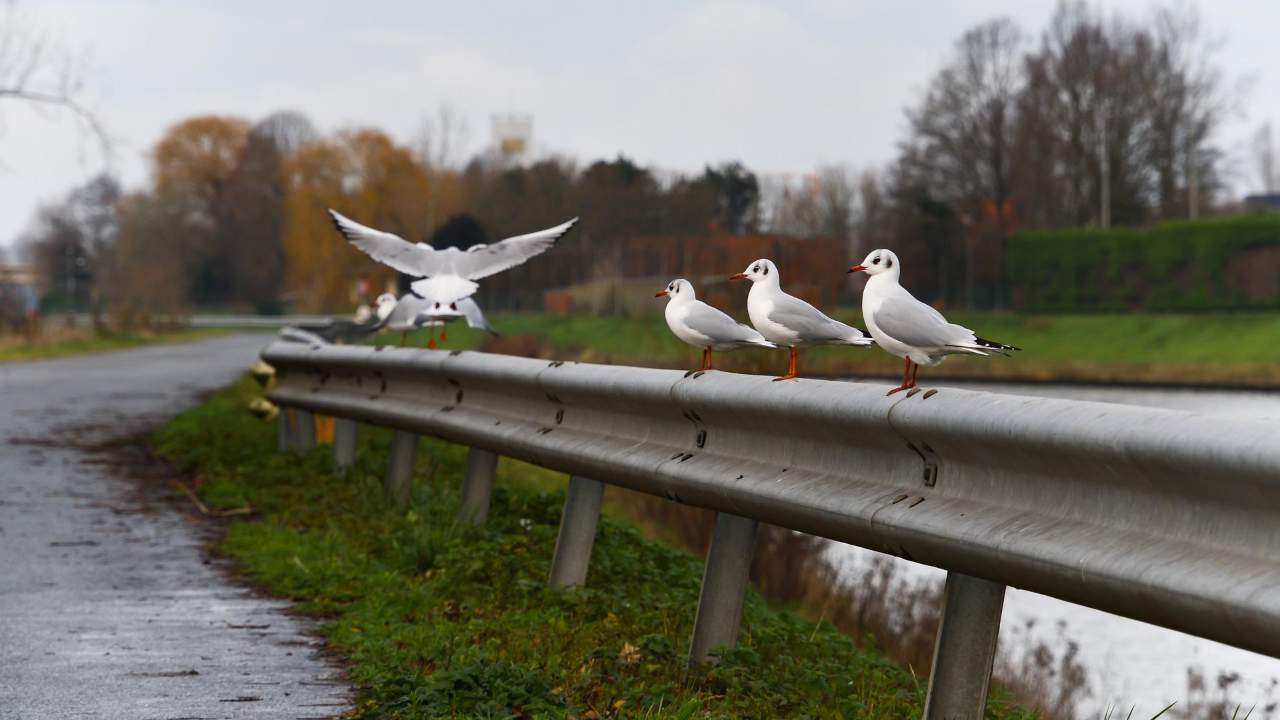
1262, 202
19, 298
513, 136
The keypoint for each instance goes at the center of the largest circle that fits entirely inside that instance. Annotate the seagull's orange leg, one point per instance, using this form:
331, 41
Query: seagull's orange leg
908, 380
444, 334
431, 337
706, 358
791, 367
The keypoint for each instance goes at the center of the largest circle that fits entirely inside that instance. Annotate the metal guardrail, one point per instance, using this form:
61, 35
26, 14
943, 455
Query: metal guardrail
1163, 516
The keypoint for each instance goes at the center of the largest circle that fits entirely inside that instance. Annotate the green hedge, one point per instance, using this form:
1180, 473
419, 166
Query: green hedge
1176, 266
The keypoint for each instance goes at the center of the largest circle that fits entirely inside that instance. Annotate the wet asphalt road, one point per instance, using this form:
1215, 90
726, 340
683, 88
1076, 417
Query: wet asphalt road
108, 608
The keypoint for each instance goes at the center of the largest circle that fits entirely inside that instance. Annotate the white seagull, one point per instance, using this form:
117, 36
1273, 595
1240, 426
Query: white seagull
449, 274
412, 312
908, 328
790, 321
703, 326
343, 330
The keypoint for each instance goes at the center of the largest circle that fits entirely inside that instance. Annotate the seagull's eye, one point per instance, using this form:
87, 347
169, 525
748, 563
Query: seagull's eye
876, 261
755, 269
453, 306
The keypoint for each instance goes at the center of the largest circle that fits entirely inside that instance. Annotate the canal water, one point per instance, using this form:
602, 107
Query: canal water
1125, 662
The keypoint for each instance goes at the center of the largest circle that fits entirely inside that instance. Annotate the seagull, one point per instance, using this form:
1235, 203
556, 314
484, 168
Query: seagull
413, 312
790, 321
448, 274
908, 328
346, 331
701, 325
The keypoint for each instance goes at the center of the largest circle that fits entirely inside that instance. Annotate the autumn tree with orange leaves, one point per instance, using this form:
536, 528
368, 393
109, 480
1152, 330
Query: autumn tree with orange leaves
362, 174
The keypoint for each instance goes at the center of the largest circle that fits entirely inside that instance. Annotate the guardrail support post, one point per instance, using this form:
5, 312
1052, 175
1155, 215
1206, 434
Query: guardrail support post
399, 482
965, 649
284, 433
344, 443
577, 532
478, 486
724, 587
304, 430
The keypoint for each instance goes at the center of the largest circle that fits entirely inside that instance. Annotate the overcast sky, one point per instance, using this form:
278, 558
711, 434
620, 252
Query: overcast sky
783, 86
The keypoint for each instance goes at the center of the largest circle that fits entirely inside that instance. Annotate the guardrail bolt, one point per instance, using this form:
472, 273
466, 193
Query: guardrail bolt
577, 533
399, 482
724, 586
965, 649
344, 443
477, 487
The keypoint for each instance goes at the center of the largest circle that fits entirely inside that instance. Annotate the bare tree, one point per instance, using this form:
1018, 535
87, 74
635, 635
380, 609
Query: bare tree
442, 138
964, 131
36, 70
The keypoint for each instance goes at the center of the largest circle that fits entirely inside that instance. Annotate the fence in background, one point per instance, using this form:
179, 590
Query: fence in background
1162, 516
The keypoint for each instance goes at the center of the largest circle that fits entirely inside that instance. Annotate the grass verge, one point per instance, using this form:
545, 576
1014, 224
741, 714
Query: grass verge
83, 340
1222, 348
441, 620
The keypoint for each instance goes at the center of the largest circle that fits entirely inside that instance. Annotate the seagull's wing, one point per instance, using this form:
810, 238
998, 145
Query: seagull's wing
810, 323
911, 322
481, 261
720, 328
418, 260
443, 288
475, 319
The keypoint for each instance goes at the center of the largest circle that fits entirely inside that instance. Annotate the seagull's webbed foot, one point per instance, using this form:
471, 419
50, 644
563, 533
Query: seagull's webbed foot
788, 376
897, 390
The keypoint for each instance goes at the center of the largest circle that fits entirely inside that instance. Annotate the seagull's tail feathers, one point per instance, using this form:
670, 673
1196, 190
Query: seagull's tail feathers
993, 345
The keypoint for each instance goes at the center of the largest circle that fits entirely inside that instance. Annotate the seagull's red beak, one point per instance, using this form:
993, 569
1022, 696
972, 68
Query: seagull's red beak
857, 268
660, 293
737, 276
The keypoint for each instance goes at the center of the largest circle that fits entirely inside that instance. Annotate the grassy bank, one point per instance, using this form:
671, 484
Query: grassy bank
1238, 348
439, 620
75, 341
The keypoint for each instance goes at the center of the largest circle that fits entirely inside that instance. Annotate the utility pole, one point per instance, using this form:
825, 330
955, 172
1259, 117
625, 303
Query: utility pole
1193, 185
1104, 171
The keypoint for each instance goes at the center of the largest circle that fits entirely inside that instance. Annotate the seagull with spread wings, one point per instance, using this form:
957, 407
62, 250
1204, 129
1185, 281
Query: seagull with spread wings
447, 275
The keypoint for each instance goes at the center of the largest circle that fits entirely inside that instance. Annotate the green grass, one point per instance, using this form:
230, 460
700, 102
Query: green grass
1236, 348
441, 620
13, 349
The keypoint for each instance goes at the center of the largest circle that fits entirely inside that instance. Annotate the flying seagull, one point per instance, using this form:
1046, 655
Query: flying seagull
908, 328
790, 321
703, 326
448, 274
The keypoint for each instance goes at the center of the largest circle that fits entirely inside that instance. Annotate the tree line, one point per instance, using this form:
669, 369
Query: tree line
1096, 121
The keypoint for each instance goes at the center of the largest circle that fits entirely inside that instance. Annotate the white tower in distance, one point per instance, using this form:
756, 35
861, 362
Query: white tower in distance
512, 137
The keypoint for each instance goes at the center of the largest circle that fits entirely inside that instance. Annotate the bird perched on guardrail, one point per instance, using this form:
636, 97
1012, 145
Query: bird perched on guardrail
908, 328
789, 321
703, 326
448, 274
345, 331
